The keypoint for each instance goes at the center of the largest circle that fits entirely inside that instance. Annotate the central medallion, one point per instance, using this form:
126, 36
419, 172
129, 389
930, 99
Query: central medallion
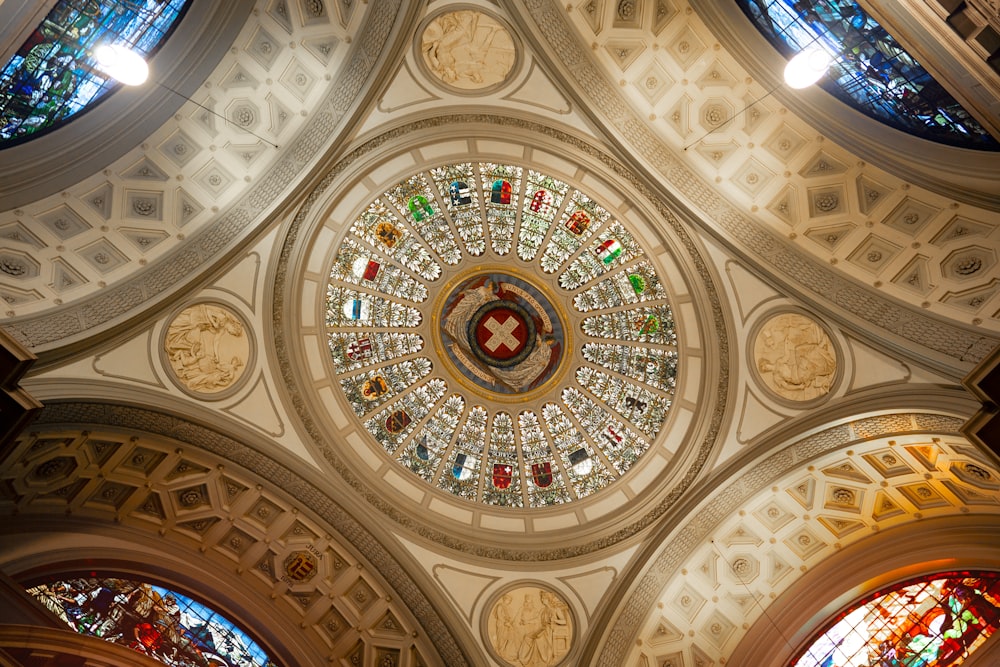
501, 332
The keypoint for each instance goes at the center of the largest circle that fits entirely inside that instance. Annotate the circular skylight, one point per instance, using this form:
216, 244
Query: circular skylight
501, 335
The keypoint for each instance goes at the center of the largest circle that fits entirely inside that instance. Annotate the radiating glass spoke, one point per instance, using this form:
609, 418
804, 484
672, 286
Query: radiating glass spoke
502, 189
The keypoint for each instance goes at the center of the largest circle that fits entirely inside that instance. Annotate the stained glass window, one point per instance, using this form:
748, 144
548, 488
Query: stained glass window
501, 335
871, 71
53, 76
153, 620
935, 621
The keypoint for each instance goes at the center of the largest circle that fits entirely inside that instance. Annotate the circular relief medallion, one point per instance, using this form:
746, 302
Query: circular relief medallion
468, 50
207, 348
530, 626
795, 358
501, 335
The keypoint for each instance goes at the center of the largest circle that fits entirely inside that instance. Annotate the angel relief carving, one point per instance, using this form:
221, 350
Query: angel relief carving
207, 348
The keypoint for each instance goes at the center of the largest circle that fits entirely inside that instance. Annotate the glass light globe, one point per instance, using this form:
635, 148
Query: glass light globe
121, 63
807, 67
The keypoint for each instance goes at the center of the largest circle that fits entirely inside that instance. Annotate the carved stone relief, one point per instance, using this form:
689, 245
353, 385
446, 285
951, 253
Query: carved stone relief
529, 626
207, 347
794, 357
468, 50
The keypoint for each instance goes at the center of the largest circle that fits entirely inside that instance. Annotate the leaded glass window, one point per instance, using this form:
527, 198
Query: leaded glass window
934, 621
53, 76
150, 619
871, 71
501, 335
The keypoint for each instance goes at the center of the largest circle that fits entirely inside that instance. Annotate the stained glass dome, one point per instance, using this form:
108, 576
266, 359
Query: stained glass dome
152, 620
54, 75
934, 621
871, 71
501, 334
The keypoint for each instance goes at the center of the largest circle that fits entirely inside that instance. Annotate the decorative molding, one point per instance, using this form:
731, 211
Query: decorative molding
701, 452
792, 266
310, 496
659, 569
49, 329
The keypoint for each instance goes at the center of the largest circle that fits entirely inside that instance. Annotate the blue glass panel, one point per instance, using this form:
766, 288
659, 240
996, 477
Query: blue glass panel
934, 621
871, 71
152, 620
53, 76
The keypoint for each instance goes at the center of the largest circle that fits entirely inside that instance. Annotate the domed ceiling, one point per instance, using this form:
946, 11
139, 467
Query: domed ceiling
501, 335
538, 301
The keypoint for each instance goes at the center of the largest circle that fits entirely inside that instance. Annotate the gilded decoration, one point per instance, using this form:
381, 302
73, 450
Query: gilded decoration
207, 347
795, 358
468, 50
530, 626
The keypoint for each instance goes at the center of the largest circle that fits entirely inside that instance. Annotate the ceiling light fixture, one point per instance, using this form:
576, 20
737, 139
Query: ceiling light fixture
807, 67
122, 63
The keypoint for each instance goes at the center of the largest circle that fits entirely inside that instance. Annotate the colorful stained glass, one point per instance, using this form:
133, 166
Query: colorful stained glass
366, 391
934, 621
458, 181
391, 426
586, 471
347, 307
617, 290
158, 622
653, 324
503, 454
871, 71
546, 486
463, 477
53, 76
351, 351
361, 266
539, 211
620, 444
413, 198
565, 240
384, 232
502, 182
611, 248
425, 451
501, 335
652, 366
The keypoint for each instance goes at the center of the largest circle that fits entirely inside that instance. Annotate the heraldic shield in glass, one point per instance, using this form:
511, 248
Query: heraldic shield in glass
935, 621
501, 335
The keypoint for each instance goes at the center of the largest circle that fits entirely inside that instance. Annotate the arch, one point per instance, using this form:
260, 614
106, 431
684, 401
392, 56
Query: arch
136, 500
894, 555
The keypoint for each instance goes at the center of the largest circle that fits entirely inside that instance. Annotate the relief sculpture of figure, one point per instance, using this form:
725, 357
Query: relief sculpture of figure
538, 634
467, 49
795, 357
207, 348
505, 637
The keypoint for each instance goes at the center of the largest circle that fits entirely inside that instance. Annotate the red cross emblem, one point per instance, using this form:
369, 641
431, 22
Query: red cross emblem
502, 333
